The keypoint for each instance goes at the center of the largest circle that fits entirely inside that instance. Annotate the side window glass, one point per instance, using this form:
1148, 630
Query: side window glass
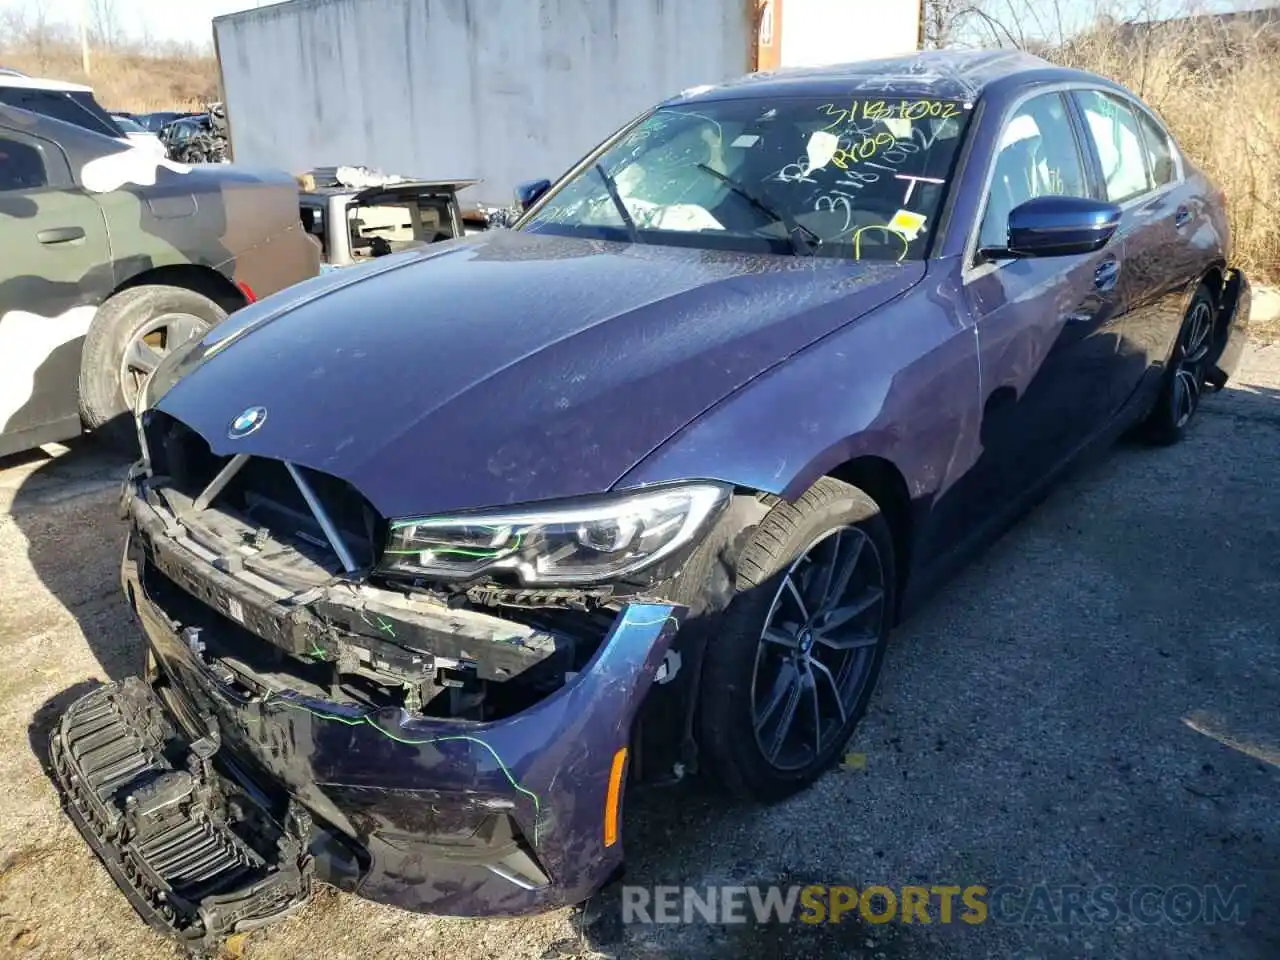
1118, 141
59, 106
1037, 157
1159, 150
21, 166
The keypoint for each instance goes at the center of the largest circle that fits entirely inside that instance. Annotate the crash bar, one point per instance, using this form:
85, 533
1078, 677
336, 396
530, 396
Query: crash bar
219, 483
322, 517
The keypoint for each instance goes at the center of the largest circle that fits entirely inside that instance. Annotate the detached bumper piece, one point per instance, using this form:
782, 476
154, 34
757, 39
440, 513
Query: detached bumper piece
198, 856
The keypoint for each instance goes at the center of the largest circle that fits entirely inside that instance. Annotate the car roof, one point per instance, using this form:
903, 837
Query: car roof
40, 83
938, 74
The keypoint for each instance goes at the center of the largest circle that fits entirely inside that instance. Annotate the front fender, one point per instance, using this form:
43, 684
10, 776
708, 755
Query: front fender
901, 384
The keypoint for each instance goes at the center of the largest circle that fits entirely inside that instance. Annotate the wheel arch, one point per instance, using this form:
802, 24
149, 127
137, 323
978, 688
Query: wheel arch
191, 276
881, 480
1215, 278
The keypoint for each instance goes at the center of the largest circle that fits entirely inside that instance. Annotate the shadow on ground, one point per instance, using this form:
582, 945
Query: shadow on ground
1094, 703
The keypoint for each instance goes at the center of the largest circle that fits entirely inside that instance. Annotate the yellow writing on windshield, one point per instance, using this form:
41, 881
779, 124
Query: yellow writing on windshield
883, 110
864, 149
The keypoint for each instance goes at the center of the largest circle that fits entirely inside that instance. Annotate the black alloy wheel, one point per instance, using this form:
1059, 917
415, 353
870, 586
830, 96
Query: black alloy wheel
816, 648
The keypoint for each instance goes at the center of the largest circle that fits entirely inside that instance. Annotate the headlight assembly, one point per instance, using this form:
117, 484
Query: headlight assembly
571, 543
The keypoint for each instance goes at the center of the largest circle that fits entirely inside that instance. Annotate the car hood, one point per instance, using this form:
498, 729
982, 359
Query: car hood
506, 367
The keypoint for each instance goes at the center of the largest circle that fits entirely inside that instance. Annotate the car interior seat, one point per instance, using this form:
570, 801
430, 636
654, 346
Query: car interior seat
1017, 179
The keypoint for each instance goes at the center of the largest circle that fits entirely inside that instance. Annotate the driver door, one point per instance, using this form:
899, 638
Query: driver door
1046, 342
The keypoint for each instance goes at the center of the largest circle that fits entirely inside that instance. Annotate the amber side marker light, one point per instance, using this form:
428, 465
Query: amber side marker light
613, 797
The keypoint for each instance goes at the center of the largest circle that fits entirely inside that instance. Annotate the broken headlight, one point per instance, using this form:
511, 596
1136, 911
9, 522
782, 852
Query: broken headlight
583, 542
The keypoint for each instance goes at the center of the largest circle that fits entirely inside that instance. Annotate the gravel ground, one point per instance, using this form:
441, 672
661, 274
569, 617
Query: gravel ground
1094, 701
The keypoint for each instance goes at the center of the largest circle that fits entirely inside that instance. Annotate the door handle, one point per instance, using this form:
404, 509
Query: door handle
1105, 275
60, 235
1182, 217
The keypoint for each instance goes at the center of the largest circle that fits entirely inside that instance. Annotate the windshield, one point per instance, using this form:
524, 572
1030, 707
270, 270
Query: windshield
860, 179
127, 125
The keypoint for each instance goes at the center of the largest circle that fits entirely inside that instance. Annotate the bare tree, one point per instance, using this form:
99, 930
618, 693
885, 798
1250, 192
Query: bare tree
37, 20
958, 23
105, 22
13, 26
943, 22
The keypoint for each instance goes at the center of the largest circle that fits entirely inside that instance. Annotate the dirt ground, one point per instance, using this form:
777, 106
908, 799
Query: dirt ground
1094, 701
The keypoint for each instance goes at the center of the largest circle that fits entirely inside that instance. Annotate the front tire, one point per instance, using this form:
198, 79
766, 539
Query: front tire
131, 333
794, 660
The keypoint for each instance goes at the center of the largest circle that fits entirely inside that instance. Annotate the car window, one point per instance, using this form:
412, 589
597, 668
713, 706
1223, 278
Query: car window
183, 130
1038, 156
59, 106
101, 120
853, 178
1159, 150
1118, 140
21, 166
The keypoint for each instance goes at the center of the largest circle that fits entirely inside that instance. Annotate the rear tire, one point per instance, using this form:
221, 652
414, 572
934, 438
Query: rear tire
131, 332
1184, 381
756, 669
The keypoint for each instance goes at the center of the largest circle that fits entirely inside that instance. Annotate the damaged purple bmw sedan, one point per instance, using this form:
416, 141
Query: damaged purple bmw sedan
438, 557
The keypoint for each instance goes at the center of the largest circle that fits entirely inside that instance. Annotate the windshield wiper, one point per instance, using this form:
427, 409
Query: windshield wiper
803, 240
617, 202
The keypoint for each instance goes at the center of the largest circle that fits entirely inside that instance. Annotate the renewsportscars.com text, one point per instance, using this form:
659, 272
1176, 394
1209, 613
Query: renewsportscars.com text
939, 903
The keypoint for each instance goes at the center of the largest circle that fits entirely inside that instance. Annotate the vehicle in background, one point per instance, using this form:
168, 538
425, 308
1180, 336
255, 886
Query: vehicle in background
156, 122
183, 128
112, 257
138, 135
199, 138
357, 215
477, 217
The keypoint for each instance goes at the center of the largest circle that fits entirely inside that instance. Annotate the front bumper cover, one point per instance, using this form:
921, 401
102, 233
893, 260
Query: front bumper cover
445, 816
196, 857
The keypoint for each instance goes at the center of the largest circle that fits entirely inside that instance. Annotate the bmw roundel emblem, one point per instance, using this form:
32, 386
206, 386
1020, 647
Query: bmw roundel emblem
247, 422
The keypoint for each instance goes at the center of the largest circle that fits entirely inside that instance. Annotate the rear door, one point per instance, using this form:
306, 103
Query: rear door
55, 270
1044, 324
1137, 169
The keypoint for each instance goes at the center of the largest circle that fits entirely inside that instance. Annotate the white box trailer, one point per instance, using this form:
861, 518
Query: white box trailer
500, 90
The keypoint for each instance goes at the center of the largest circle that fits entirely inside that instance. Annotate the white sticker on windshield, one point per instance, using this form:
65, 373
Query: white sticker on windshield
822, 147
745, 140
901, 129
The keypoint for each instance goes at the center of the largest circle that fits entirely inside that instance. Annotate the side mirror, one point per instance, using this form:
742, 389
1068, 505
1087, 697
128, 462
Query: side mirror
1058, 226
527, 193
